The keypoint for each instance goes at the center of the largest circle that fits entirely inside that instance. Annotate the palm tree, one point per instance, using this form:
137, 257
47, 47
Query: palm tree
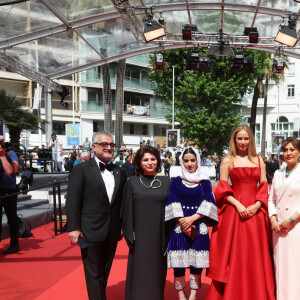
257, 91
16, 118
265, 70
107, 95
120, 101
269, 75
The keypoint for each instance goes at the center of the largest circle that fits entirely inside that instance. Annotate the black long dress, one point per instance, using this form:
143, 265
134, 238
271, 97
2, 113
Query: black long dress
143, 212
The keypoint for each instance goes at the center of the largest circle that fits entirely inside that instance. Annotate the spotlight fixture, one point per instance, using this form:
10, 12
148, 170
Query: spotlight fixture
65, 92
278, 66
195, 62
153, 29
220, 50
287, 35
252, 33
242, 64
159, 63
161, 20
187, 31
64, 104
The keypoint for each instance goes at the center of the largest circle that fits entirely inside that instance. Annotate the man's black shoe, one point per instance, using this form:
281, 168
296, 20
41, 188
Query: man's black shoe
11, 250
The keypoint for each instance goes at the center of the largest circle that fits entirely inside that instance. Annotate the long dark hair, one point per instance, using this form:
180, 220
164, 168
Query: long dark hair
139, 155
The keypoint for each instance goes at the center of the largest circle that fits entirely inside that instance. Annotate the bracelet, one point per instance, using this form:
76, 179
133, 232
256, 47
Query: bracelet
292, 220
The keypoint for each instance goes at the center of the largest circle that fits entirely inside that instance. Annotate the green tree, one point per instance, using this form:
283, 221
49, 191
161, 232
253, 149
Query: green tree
15, 117
206, 104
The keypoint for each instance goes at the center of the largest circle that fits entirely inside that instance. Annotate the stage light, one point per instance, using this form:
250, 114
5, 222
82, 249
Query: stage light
64, 104
153, 29
159, 63
287, 35
64, 94
278, 66
252, 33
195, 62
241, 64
220, 50
161, 20
187, 31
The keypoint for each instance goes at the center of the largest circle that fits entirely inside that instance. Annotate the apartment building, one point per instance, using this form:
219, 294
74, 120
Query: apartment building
283, 109
144, 113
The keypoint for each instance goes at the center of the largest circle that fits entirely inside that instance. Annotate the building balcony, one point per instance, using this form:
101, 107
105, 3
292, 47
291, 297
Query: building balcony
25, 101
98, 107
132, 83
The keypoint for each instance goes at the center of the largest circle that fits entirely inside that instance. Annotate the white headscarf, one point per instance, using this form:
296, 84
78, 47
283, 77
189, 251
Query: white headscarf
195, 177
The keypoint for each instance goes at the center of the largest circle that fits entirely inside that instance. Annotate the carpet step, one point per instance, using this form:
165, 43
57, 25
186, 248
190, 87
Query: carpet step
31, 203
37, 216
23, 198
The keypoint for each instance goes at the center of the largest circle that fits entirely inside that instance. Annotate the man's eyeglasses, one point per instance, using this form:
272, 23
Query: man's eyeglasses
105, 145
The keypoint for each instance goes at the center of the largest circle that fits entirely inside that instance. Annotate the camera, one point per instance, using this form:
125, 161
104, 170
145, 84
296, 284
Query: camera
5, 145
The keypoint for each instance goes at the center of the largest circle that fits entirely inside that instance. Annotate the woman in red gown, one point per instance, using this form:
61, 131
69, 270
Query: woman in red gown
240, 256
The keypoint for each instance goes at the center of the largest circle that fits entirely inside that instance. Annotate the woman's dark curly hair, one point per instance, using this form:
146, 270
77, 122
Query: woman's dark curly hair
294, 141
140, 154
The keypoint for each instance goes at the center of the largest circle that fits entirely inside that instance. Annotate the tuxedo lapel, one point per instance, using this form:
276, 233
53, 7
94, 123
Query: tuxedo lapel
116, 173
95, 170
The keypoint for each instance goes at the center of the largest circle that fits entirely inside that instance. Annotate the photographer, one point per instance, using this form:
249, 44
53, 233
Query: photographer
9, 166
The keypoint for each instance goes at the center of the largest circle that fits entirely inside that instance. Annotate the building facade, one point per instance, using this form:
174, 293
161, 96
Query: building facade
283, 110
144, 113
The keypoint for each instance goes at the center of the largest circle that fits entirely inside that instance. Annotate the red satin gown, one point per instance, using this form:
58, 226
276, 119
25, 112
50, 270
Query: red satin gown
240, 251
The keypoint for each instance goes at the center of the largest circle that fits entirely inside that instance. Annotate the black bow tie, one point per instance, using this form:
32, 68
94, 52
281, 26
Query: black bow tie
103, 166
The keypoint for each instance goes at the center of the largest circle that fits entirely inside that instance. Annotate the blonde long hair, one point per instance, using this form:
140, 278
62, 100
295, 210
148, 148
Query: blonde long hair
232, 145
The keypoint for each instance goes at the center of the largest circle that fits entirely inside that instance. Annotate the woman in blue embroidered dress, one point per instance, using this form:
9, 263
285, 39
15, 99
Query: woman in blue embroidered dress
192, 208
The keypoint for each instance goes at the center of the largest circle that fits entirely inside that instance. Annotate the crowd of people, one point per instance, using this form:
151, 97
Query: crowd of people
252, 252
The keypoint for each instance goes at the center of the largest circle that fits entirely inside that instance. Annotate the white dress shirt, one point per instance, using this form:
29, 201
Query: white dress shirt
108, 178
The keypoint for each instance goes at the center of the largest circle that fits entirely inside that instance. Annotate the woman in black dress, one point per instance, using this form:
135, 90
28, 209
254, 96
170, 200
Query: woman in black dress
144, 228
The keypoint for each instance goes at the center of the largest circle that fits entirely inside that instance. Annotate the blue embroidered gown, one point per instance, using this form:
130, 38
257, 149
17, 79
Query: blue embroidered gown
186, 201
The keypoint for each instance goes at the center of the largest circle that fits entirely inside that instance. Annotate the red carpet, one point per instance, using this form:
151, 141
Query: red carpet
48, 267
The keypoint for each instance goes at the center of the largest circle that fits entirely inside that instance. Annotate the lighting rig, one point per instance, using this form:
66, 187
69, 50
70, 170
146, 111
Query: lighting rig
154, 29
187, 31
196, 62
64, 94
159, 63
252, 33
278, 66
287, 34
222, 48
241, 64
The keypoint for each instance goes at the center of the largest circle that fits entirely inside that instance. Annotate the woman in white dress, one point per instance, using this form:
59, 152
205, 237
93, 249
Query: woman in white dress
284, 212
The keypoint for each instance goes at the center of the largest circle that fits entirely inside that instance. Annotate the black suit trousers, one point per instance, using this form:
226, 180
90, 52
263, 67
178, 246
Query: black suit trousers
10, 207
97, 260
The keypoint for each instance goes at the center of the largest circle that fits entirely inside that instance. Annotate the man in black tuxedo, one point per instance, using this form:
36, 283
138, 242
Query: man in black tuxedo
93, 212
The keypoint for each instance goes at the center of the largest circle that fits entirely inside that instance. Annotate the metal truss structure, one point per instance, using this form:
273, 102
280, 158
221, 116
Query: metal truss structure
100, 30
22, 69
127, 13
